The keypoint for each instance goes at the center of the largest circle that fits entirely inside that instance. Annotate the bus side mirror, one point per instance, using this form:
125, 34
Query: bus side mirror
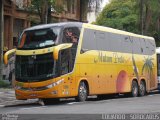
8, 55
60, 47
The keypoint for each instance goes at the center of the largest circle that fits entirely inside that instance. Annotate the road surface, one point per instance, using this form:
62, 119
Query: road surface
147, 104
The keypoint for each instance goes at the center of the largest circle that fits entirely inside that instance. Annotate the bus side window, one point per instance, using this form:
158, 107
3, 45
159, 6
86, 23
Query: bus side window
150, 46
65, 61
102, 40
136, 46
70, 35
89, 40
115, 42
144, 49
126, 44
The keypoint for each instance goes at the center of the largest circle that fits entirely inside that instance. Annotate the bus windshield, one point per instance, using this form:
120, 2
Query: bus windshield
35, 39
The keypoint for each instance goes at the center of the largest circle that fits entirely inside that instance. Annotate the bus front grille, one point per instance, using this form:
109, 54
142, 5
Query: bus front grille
34, 68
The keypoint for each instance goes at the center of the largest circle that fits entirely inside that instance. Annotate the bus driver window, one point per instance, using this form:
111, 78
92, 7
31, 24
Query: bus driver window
70, 35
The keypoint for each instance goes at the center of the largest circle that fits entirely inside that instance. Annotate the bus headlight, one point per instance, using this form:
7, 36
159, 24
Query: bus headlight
49, 86
18, 87
55, 83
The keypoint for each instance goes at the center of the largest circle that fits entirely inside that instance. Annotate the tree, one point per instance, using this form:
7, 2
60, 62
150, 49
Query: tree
45, 8
141, 15
150, 18
120, 14
150, 11
137, 16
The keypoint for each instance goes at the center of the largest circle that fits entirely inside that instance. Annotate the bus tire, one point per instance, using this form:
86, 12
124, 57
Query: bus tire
82, 92
142, 88
134, 89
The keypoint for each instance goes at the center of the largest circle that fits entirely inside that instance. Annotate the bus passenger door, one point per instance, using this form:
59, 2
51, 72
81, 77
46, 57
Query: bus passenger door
68, 57
65, 67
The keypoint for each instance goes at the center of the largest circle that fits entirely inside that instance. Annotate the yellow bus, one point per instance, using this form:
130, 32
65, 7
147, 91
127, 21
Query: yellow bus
74, 59
158, 66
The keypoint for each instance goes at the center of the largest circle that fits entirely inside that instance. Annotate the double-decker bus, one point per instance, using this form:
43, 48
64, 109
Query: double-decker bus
78, 59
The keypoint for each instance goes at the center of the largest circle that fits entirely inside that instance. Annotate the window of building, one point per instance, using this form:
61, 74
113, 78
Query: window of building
69, 2
20, 3
73, 6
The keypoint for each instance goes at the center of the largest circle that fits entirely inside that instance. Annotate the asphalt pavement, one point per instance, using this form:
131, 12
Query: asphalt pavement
67, 108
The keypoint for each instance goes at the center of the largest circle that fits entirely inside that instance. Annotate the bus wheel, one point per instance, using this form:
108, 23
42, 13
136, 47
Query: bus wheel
134, 89
142, 89
82, 92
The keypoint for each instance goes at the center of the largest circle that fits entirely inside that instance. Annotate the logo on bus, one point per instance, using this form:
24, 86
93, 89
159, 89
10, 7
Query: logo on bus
102, 57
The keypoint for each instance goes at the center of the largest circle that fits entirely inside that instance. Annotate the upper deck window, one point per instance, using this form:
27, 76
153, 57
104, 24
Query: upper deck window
36, 39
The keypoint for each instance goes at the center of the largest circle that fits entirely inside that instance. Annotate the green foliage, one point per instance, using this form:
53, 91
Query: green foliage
119, 14
44, 8
37, 4
151, 16
3, 84
126, 14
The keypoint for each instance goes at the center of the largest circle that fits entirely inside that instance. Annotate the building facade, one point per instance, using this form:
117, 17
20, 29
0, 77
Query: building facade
17, 18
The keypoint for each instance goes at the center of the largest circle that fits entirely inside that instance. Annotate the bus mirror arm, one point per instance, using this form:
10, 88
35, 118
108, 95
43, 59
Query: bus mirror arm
8, 55
83, 50
60, 47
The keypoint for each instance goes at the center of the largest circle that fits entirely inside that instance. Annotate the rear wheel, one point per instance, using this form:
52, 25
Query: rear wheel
142, 89
82, 92
134, 89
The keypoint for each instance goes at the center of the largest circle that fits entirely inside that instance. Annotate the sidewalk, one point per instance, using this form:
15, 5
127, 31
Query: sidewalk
7, 98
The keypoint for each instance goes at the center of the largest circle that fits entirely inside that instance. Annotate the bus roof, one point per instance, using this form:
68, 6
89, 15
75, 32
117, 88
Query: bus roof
87, 25
64, 24
112, 30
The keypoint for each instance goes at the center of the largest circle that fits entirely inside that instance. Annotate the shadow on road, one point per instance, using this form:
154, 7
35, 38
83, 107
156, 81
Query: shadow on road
71, 101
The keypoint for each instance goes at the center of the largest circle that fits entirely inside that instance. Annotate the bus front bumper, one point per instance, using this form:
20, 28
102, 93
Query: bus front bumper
44, 90
31, 94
